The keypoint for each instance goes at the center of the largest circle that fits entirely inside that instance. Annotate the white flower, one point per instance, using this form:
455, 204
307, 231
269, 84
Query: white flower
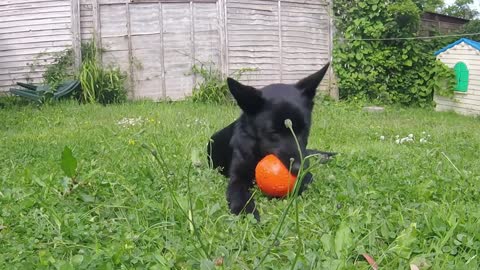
410, 136
130, 121
423, 140
382, 138
397, 141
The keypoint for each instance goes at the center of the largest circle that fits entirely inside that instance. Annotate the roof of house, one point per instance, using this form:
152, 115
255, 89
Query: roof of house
473, 43
429, 15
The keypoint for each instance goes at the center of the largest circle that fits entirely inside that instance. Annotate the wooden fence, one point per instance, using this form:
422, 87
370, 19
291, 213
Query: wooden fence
158, 41
31, 32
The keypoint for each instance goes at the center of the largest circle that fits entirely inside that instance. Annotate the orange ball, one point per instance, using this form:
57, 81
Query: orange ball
273, 178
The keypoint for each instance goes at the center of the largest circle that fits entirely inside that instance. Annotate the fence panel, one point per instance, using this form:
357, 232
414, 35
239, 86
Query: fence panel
31, 33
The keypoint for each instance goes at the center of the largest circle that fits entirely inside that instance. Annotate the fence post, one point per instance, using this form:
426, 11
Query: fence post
97, 35
280, 47
76, 38
130, 53
225, 33
221, 36
332, 85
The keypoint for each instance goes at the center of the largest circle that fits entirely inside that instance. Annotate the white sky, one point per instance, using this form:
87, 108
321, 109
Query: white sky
476, 4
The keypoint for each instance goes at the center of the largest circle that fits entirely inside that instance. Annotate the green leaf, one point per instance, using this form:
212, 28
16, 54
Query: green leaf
38, 181
327, 243
64, 266
77, 259
207, 265
343, 239
404, 242
87, 198
68, 162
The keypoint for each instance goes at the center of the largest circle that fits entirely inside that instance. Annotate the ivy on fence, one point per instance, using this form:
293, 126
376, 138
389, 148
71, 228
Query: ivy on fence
375, 60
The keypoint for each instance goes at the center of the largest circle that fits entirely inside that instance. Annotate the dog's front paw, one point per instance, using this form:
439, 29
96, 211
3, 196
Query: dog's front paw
239, 204
237, 207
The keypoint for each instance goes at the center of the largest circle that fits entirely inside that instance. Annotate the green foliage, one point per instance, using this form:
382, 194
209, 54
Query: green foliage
430, 5
443, 79
399, 203
461, 9
386, 69
473, 27
406, 18
60, 70
68, 162
212, 86
7, 101
100, 84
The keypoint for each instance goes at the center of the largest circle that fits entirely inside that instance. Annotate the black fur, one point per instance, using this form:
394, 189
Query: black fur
261, 130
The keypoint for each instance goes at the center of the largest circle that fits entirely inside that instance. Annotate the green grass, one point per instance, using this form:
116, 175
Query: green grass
400, 203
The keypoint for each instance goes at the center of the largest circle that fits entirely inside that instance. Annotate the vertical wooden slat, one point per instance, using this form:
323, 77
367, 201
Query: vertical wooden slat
76, 38
192, 39
130, 52
97, 34
162, 52
280, 49
221, 35
225, 16
333, 89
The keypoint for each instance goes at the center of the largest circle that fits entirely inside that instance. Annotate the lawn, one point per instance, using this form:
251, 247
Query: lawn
411, 203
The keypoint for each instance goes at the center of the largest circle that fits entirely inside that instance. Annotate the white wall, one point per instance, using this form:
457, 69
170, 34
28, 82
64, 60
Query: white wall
467, 102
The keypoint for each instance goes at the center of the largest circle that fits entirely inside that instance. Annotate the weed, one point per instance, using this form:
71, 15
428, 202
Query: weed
104, 85
99, 84
60, 70
213, 88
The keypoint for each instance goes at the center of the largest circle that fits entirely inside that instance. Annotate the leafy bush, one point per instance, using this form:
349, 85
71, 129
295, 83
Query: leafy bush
374, 64
60, 70
473, 27
212, 87
99, 84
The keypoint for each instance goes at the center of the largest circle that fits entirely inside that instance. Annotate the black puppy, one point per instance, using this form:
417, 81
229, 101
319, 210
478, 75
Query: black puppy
260, 131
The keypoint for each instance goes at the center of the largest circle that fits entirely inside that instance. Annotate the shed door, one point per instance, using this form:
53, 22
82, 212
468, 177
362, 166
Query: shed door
461, 74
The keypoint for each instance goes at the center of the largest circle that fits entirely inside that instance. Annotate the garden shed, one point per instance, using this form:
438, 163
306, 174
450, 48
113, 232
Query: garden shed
158, 41
464, 57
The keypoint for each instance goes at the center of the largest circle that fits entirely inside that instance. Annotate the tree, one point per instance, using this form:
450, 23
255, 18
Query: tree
461, 9
430, 5
473, 27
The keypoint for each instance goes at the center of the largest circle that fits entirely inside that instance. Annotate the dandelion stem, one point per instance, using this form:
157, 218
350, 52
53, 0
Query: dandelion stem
163, 167
459, 172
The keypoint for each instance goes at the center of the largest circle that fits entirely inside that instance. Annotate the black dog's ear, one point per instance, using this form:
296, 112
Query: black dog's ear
248, 98
309, 84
